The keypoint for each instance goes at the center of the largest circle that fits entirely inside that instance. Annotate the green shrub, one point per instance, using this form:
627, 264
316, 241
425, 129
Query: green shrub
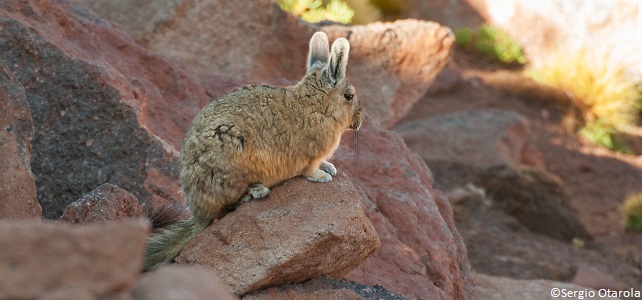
314, 11
463, 37
498, 45
491, 42
600, 134
631, 210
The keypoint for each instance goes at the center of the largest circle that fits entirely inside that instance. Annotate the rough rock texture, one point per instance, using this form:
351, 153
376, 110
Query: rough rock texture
99, 103
391, 64
422, 256
516, 252
106, 203
175, 282
480, 138
500, 288
536, 198
325, 288
301, 231
18, 198
39, 257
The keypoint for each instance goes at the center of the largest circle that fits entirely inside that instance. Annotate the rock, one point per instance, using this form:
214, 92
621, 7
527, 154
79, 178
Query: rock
181, 282
66, 293
391, 64
106, 203
536, 198
325, 288
590, 277
41, 257
453, 13
479, 138
105, 110
17, 185
301, 231
422, 256
500, 288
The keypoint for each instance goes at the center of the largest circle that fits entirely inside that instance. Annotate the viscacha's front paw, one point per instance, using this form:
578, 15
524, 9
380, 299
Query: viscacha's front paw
319, 176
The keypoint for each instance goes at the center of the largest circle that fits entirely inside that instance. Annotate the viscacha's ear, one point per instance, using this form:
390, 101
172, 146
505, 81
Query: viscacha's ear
319, 47
336, 69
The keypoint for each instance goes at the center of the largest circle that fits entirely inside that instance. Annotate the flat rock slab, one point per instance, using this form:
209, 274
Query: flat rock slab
480, 138
301, 231
40, 257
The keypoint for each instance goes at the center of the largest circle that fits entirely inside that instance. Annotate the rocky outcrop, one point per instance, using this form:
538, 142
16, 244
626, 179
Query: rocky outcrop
106, 203
301, 231
391, 64
108, 111
99, 104
537, 199
17, 185
181, 282
422, 255
42, 258
480, 138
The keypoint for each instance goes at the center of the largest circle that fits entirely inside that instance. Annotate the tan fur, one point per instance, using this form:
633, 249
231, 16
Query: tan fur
258, 136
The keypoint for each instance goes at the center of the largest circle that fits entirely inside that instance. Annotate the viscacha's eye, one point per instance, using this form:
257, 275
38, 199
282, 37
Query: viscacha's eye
348, 97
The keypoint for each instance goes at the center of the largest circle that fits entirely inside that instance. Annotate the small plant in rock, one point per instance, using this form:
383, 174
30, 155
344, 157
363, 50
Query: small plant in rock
600, 134
491, 42
608, 99
631, 210
315, 11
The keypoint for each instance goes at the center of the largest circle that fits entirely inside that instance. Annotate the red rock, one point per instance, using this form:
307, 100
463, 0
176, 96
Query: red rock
38, 258
104, 109
106, 203
391, 64
301, 231
474, 138
18, 199
592, 278
422, 256
181, 282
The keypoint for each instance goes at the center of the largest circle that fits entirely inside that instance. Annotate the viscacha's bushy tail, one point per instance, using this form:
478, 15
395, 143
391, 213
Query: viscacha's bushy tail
167, 244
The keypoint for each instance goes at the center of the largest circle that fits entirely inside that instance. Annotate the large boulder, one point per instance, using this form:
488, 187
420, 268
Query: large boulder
39, 258
422, 256
301, 231
100, 104
476, 138
537, 199
391, 64
17, 185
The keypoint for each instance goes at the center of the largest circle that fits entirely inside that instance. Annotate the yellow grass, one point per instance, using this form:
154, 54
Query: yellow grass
631, 210
602, 91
